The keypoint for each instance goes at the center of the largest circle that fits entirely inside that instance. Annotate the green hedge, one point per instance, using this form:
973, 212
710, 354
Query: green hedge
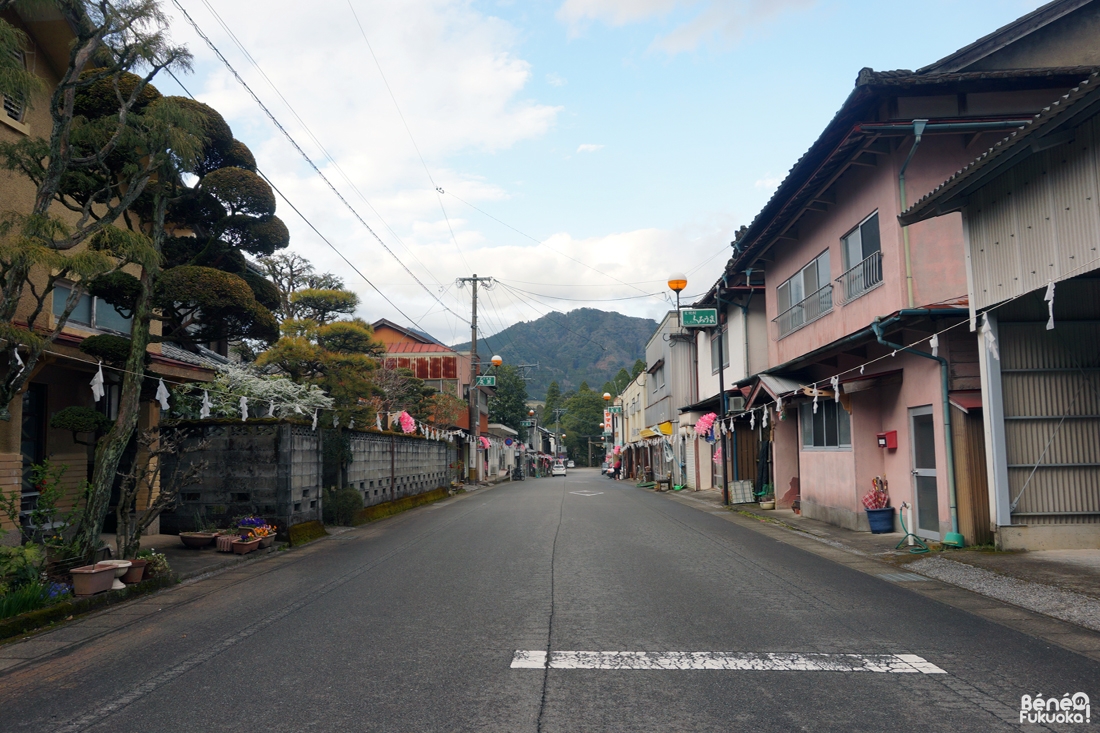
305, 532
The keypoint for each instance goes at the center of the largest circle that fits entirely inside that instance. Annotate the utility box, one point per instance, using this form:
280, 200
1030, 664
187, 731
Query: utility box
888, 440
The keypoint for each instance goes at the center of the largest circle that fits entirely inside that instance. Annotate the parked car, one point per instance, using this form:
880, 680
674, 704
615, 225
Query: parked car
570, 464
558, 469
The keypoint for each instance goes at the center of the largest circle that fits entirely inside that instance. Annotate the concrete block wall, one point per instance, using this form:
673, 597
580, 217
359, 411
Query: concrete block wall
269, 468
388, 467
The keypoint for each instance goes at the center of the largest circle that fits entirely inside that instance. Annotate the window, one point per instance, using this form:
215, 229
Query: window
15, 108
806, 296
90, 312
830, 427
862, 252
714, 350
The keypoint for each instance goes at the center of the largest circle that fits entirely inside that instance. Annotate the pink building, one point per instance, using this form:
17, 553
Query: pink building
853, 298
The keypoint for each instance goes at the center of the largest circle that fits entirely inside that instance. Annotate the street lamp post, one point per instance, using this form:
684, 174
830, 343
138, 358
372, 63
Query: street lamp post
677, 282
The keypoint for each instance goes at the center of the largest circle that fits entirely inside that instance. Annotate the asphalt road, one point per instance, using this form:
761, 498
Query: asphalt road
413, 624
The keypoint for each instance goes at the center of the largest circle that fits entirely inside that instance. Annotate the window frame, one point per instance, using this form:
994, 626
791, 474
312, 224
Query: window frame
799, 279
846, 276
94, 305
825, 406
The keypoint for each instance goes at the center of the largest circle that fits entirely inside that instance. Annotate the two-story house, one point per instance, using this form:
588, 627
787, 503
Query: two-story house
849, 289
630, 424
1030, 211
670, 385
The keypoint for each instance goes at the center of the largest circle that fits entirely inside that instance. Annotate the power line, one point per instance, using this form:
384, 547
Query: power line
435, 188
301, 152
589, 300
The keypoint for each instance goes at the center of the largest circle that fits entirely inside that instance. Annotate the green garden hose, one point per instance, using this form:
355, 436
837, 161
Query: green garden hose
920, 549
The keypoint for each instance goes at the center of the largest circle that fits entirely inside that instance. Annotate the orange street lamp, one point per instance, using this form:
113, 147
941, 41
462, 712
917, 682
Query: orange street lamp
676, 283
607, 396
496, 360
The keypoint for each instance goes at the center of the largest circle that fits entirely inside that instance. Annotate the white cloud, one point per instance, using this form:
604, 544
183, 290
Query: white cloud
588, 148
720, 23
555, 80
767, 183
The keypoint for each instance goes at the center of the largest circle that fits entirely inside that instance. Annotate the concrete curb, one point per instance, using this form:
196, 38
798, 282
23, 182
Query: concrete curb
1065, 634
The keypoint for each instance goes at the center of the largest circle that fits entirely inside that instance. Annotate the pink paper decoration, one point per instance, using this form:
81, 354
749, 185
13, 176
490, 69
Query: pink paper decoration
406, 421
702, 427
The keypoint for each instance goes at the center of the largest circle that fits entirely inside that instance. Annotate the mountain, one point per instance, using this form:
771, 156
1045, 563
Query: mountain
582, 345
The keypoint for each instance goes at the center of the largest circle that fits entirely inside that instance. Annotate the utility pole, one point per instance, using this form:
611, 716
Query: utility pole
558, 412
723, 402
475, 371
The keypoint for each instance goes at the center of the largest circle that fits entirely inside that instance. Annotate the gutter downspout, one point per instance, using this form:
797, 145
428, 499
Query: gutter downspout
879, 326
918, 131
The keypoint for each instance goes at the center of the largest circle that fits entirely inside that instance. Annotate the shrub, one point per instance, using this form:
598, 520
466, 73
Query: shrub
157, 564
80, 420
31, 596
345, 505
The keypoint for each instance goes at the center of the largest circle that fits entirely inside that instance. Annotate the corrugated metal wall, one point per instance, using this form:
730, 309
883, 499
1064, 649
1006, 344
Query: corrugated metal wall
1051, 390
1038, 222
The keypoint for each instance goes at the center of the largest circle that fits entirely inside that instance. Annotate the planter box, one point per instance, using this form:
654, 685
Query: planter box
243, 548
266, 542
196, 540
225, 542
91, 579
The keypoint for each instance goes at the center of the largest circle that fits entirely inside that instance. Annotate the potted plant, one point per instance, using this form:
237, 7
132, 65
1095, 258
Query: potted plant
767, 497
245, 545
91, 579
136, 572
876, 502
156, 564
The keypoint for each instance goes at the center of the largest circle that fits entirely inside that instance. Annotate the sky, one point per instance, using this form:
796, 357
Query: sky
577, 151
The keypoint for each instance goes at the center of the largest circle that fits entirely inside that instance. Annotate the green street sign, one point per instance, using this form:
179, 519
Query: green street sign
526, 423
699, 317
615, 409
487, 381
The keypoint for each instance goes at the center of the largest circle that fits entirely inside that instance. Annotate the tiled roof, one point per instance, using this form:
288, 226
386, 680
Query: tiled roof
842, 136
204, 358
404, 347
1077, 100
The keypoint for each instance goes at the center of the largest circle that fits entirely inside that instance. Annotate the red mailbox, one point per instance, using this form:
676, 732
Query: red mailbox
889, 439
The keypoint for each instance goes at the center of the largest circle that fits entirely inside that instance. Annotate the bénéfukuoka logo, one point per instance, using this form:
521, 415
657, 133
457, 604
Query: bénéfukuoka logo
1066, 709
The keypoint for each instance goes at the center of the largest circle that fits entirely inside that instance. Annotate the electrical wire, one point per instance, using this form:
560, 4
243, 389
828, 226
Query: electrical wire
301, 152
435, 188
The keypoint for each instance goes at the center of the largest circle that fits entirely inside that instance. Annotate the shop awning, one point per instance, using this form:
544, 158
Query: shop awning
966, 399
648, 433
862, 382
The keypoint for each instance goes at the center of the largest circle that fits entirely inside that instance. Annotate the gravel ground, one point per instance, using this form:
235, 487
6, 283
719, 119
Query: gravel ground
1065, 605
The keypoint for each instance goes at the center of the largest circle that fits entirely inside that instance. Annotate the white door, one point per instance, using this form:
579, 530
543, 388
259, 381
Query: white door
926, 494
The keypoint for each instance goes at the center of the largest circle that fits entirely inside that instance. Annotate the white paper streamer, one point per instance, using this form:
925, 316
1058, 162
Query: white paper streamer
766, 411
934, 342
378, 421
989, 338
97, 384
204, 410
316, 414
779, 406
351, 425
752, 420
815, 399
335, 420
162, 395
835, 382
1049, 298
19, 361
244, 408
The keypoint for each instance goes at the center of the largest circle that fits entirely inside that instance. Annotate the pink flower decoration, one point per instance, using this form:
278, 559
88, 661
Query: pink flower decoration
408, 425
702, 427
718, 456
485, 442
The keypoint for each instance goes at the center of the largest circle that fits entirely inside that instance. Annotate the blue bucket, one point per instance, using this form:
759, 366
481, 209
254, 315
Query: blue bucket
881, 520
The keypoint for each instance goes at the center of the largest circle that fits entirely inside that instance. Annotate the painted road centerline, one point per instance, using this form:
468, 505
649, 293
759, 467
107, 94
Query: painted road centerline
734, 661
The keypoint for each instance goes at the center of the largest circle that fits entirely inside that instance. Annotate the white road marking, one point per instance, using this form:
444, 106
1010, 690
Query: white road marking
586, 492
736, 661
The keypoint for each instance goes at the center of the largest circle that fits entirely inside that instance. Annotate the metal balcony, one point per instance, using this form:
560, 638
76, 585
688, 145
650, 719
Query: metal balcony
865, 276
807, 310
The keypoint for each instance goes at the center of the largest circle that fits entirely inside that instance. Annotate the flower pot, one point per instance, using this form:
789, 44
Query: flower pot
225, 542
195, 540
120, 568
767, 505
266, 542
881, 520
243, 548
91, 579
136, 572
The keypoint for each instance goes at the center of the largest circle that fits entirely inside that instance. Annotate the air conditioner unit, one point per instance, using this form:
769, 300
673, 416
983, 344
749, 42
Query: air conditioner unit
736, 403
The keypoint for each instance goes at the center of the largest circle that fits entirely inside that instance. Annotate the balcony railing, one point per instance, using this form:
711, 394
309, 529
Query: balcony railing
807, 310
861, 278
